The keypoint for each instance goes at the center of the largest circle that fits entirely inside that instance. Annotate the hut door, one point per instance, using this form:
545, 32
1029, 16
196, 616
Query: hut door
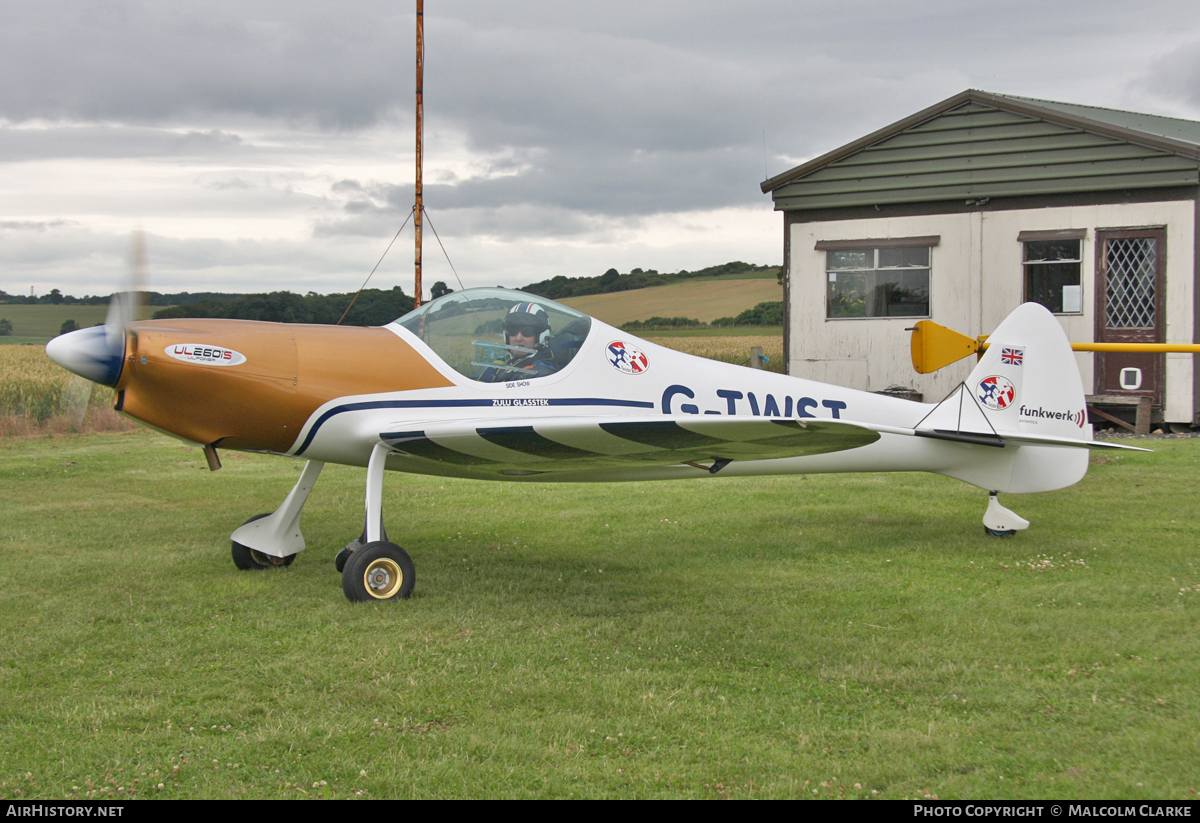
1130, 308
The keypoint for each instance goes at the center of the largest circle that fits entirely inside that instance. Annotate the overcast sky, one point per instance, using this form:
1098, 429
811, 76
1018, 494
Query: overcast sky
269, 145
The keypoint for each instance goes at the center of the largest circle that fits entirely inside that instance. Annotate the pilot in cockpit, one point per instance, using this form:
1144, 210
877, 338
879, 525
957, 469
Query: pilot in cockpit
526, 334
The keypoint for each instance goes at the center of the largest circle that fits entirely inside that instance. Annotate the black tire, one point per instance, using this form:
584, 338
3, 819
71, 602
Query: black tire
999, 532
247, 559
378, 571
339, 559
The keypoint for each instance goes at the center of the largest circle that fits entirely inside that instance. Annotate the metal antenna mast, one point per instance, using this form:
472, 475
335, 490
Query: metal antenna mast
418, 208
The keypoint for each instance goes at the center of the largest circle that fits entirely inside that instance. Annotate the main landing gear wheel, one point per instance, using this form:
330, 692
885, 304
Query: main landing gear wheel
378, 571
247, 559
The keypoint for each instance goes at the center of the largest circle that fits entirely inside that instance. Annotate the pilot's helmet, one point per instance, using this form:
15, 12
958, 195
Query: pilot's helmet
529, 319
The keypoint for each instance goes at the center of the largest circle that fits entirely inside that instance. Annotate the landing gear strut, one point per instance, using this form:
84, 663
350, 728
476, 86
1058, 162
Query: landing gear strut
274, 539
373, 568
339, 560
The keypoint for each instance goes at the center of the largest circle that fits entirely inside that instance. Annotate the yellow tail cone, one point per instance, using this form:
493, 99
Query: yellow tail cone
934, 346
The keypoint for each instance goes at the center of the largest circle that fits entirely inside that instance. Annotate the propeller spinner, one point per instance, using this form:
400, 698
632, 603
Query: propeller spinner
98, 353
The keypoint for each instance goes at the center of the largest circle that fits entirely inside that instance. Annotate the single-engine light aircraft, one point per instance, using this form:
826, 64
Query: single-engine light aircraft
494, 384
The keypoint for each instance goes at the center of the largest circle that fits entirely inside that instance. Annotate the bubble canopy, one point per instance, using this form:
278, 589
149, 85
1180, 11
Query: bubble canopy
466, 329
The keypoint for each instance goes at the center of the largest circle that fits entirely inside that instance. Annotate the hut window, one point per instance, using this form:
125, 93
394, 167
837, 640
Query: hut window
888, 281
1053, 270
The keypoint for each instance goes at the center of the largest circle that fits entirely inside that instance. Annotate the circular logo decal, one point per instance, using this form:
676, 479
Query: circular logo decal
207, 355
996, 393
624, 357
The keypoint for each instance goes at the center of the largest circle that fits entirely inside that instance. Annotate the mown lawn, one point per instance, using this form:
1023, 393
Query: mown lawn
852, 635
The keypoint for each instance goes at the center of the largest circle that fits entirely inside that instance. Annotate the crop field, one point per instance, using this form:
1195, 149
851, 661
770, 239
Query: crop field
704, 300
35, 393
721, 638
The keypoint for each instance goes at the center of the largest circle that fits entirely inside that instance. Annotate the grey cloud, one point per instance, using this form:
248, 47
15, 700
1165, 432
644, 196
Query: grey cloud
1176, 76
146, 62
564, 193
593, 117
231, 183
519, 223
35, 225
92, 140
81, 261
512, 222
361, 222
638, 182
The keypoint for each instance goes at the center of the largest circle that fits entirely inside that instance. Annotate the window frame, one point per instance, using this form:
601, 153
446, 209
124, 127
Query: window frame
874, 246
1026, 238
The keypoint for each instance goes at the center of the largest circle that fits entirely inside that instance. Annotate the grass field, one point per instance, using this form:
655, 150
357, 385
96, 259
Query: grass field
41, 322
704, 300
729, 638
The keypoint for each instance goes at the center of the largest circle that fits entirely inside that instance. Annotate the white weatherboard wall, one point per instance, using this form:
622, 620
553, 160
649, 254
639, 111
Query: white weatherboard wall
976, 279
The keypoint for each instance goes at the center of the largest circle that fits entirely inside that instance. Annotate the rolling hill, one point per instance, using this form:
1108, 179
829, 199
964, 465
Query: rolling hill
704, 300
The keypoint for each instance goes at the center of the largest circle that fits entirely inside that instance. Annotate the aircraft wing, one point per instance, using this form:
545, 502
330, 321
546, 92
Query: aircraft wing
523, 446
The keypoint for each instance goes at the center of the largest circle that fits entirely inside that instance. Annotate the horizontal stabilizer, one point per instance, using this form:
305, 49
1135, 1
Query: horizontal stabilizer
959, 412
960, 418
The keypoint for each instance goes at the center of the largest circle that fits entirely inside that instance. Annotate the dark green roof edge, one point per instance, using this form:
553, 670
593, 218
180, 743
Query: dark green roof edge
1181, 137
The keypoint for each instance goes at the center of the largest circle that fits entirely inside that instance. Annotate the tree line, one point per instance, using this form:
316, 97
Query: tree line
764, 314
373, 307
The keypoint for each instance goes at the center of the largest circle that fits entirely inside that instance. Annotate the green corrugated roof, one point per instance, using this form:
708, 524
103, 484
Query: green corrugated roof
978, 145
1187, 131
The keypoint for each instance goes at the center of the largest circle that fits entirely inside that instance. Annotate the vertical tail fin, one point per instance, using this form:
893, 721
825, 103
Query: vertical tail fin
1027, 383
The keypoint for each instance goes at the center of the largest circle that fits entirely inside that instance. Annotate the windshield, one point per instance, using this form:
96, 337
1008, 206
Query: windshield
499, 335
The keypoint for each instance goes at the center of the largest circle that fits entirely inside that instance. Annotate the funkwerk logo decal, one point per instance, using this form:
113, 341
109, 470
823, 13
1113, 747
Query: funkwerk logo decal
1078, 418
624, 357
206, 355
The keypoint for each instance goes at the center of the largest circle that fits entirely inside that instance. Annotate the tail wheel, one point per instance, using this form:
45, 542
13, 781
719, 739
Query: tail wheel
378, 571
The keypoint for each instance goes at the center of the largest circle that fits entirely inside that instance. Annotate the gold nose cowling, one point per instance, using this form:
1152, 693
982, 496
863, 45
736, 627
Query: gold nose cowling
248, 385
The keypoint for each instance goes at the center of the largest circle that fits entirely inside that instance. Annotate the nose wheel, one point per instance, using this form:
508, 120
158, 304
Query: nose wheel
378, 571
247, 559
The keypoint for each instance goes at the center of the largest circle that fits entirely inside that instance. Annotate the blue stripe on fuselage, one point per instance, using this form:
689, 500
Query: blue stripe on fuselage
474, 402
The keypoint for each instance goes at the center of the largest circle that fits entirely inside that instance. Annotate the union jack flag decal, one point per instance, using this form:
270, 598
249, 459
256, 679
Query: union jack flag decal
1012, 357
